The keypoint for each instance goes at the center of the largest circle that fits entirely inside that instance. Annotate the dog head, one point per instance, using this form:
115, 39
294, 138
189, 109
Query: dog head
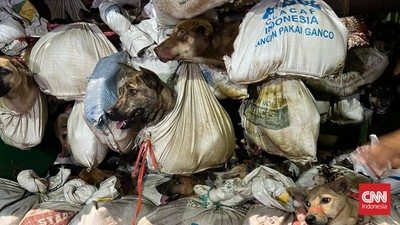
139, 98
386, 36
12, 74
325, 202
178, 187
376, 97
189, 39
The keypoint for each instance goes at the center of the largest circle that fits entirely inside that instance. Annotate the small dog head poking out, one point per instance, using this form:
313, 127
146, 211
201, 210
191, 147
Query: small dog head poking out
12, 74
376, 97
328, 203
143, 99
18, 91
200, 41
189, 39
179, 187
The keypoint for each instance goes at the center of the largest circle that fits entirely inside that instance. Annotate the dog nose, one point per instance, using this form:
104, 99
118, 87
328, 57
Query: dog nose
156, 49
310, 219
109, 114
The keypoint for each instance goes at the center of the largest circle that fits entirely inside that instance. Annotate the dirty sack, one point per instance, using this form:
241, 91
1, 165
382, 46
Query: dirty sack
24, 131
288, 38
169, 12
263, 184
198, 129
221, 85
77, 192
15, 202
26, 194
323, 173
260, 215
139, 39
52, 212
63, 59
363, 65
101, 94
18, 20
282, 120
348, 110
115, 212
188, 211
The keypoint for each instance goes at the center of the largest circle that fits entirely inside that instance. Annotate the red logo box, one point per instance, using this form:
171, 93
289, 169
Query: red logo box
374, 199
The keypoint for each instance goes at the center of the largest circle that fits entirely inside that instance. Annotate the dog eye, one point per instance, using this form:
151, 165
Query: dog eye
178, 182
181, 33
132, 91
308, 204
325, 200
4, 71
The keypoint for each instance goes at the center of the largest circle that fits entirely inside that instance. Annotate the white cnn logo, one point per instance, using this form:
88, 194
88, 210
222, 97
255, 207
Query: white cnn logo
374, 196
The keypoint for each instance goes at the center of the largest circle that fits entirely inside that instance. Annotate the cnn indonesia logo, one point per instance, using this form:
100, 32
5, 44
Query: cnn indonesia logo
374, 199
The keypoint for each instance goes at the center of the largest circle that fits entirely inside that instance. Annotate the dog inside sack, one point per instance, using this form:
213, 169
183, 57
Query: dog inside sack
301, 38
198, 133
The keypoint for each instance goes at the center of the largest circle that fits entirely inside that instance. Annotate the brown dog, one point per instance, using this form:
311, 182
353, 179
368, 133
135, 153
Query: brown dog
143, 98
179, 187
198, 40
329, 204
18, 91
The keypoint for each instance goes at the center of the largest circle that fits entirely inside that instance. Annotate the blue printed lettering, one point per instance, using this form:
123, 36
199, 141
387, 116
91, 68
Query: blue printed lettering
268, 12
288, 3
267, 39
317, 32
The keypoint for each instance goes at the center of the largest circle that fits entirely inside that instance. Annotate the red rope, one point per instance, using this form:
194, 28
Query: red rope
144, 148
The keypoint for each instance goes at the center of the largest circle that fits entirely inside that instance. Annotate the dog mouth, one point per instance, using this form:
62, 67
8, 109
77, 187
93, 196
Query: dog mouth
127, 123
169, 198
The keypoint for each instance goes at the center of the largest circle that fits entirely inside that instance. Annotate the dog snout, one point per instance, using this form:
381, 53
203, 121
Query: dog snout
311, 219
109, 113
157, 49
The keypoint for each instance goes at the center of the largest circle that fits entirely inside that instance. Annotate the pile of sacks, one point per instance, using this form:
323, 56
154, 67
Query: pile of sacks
282, 49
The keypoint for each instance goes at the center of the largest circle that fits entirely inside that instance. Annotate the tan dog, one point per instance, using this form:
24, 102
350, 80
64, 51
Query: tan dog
18, 91
179, 187
198, 40
143, 98
329, 204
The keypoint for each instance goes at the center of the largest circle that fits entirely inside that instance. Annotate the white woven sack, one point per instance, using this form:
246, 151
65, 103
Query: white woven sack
363, 66
283, 120
64, 58
15, 202
189, 211
169, 12
322, 174
116, 212
52, 212
24, 131
198, 129
86, 148
348, 110
302, 38
260, 215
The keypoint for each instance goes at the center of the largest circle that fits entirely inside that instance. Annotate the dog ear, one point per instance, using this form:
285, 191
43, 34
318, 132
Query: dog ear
204, 29
150, 79
129, 69
21, 67
341, 184
299, 194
